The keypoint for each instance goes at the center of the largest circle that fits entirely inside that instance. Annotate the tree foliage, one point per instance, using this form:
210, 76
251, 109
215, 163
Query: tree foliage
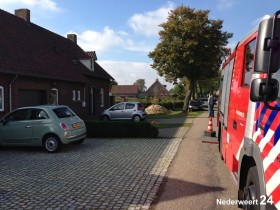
191, 46
141, 85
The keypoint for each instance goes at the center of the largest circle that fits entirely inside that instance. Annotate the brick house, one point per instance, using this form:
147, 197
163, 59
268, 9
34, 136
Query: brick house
157, 90
38, 66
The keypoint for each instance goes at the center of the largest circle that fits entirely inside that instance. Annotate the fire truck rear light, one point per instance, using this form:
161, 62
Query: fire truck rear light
64, 126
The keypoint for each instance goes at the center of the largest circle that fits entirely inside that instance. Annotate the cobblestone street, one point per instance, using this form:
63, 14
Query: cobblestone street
99, 174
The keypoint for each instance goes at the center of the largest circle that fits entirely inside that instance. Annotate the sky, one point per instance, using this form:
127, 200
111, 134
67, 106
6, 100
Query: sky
123, 32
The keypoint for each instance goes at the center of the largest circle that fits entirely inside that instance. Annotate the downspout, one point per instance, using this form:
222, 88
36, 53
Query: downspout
10, 91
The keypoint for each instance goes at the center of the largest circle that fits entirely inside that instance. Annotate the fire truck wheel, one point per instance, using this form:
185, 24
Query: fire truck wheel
252, 189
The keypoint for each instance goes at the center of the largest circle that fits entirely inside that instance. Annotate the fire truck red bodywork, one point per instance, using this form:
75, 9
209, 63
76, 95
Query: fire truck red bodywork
249, 132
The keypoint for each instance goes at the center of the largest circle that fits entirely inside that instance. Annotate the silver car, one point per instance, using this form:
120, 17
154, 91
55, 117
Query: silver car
49, 126
125, 111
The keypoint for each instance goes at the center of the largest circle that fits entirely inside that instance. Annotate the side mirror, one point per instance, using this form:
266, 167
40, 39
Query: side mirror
268, 45
262, 92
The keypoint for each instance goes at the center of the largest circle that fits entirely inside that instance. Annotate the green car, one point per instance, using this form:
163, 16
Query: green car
49, 126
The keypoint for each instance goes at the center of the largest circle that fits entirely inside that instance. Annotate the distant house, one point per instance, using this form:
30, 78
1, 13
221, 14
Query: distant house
38, 66
157, 90
125, 91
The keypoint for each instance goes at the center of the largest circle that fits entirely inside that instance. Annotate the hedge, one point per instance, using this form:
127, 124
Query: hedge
121, 129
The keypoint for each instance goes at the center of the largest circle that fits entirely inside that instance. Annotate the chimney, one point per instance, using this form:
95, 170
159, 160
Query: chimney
24, 14
72, 37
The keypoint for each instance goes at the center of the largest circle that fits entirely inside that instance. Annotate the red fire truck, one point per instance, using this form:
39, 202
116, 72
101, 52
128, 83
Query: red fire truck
249, 116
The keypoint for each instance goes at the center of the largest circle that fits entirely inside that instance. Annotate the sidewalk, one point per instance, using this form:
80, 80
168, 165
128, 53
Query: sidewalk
197, 177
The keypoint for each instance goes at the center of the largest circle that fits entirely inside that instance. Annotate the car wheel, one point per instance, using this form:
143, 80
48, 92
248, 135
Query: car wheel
136, 118
105, 118
78, 142
252, 189
52, 143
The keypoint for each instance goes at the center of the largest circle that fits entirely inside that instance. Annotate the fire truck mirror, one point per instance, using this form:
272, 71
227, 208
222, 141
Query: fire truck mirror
266, 43
261, 92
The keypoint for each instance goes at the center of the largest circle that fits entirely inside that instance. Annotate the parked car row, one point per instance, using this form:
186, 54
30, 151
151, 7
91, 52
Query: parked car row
52, 126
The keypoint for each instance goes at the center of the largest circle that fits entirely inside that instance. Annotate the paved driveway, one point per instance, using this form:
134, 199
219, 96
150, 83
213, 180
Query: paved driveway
99, 174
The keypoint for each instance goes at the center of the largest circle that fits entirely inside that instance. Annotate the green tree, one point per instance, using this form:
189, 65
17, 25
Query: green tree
191, 47
178, 91
141, 84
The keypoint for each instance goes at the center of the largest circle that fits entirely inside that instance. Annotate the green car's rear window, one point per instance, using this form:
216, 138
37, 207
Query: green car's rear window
63, 112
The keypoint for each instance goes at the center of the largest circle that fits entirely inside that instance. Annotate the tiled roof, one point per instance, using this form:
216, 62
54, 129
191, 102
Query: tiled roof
157, 89
125, 90
30, 50
92, 54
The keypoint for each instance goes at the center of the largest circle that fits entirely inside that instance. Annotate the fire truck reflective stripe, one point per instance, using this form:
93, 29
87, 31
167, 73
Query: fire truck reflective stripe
266, 139
273, 183
272, 168
240, 147
274, 152
278, 205
266, 162
256, 135
227, 137
276, 197
277, 133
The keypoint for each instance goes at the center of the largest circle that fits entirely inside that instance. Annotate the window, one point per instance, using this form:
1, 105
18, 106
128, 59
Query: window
19, 115
129, 106
40, 114
1, 98
78, 95
63, 112
118, 107
248, 65
74, 95
101, 97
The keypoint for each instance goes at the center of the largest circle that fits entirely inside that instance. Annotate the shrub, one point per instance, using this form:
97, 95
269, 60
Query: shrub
121, 129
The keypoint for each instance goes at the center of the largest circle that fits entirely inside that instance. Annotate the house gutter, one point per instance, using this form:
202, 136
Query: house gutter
10, 91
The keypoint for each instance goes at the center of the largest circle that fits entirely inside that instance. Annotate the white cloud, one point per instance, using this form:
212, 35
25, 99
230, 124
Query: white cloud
101, 41
49, 5
148, 23
105, 40
126, 73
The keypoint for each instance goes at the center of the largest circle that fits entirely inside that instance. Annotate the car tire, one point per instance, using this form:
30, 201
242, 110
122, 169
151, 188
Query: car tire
105, 118
252, 188
78, 142
136, 118
51, 143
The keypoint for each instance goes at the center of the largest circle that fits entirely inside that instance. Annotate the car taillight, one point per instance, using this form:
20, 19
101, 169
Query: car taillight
64, 126
139, 107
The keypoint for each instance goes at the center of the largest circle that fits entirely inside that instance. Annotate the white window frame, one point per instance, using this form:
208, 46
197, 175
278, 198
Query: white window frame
101, 97
74, 95
78, 95
2, 98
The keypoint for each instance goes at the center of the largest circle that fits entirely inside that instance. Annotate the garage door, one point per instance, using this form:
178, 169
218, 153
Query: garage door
32, 97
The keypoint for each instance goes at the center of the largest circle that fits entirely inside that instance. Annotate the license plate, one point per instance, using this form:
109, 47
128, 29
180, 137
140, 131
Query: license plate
76, 125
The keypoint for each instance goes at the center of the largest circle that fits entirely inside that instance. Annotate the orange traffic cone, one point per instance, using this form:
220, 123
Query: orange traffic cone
210, 125
210, 131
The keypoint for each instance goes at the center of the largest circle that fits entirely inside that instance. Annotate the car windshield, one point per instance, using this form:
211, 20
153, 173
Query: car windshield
63, 112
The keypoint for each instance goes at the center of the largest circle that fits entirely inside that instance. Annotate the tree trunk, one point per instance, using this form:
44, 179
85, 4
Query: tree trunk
188, 96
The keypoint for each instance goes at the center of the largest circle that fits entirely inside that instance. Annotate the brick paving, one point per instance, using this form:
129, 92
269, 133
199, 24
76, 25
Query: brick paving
99, 174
